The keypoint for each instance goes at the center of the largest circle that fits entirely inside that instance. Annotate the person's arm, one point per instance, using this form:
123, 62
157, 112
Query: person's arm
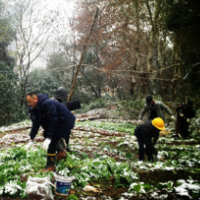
35, 126
144, 110
164, 107
155, 139
149, 144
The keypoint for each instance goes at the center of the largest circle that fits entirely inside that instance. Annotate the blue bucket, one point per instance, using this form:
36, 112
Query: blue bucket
63, 184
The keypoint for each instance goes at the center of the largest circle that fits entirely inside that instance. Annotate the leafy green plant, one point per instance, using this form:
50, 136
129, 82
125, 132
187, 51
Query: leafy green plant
72, 197
121, 127
14, 162
140, 188
187, 188
168, 185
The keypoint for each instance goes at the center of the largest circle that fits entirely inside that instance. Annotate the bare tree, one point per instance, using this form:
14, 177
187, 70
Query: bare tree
33, 27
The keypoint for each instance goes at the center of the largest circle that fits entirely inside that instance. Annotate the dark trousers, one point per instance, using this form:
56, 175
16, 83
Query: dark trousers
143, 150
67, 138
52, 146
54, 141
182, 127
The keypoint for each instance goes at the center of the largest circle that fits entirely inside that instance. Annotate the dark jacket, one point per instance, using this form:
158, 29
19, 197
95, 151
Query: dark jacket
61, 96
182, 125
147, 131
187, 111
54, 118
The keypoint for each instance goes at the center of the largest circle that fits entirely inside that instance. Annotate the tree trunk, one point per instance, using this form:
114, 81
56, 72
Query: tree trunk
137, 49
92, 88
82, 56
175, 59
152, 47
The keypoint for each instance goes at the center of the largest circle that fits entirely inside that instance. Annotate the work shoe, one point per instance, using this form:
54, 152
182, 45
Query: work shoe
49, 169
50, 165
61, 155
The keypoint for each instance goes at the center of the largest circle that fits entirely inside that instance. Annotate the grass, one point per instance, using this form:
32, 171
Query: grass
121, 127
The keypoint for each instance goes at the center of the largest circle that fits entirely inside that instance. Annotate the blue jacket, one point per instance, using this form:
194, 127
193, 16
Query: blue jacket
54, 118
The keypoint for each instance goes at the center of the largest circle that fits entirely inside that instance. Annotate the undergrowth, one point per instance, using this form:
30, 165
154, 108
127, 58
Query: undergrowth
121, 127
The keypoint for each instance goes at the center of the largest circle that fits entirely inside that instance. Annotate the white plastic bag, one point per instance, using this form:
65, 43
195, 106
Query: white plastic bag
39, 187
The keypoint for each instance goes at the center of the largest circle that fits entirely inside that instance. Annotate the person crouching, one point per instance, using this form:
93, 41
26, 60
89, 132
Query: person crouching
145, 133
57, 122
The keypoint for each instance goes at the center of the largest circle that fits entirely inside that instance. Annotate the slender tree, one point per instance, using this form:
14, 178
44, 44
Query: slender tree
33, 27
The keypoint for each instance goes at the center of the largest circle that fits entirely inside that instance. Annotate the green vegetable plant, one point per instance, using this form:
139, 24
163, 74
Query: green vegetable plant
72, 197
190, 188
140, 188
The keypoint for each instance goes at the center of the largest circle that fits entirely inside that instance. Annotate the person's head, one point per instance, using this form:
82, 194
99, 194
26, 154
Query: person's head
149, 100
158, 123
61, 94
32, 99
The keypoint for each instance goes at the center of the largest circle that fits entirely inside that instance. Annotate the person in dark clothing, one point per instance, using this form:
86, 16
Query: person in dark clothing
185, 112
154, 109
144, 133
57, 122
61, 96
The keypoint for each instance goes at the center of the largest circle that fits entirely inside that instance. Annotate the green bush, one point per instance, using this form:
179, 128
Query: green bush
99, 103
116, 108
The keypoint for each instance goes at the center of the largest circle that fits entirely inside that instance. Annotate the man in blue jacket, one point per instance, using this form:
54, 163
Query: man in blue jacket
55, 119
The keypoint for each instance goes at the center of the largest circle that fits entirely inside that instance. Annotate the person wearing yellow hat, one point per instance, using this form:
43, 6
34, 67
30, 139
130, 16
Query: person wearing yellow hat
145, 133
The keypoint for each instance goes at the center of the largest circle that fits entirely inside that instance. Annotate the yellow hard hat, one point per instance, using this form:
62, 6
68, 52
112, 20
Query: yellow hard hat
158, 123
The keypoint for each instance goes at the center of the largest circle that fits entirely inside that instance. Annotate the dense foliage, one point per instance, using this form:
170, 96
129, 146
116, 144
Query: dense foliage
41, 81
9, 85
182, 19
133, 48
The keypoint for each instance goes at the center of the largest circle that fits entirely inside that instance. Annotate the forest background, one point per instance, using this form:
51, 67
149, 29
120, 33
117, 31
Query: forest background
109, 51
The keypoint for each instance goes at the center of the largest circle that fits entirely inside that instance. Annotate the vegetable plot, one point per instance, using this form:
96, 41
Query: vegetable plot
105, 156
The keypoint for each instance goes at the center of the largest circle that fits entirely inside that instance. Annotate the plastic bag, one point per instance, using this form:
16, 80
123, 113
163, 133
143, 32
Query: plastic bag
61, 145
89, 188
39, 188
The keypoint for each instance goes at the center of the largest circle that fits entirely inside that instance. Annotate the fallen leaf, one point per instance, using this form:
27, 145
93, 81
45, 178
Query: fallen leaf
72, 192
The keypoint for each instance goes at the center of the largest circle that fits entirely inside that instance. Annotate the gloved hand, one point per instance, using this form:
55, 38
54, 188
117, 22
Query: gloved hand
188, 120
30, 144
46, 143
159, 156
172, 117
139, 122
181, 115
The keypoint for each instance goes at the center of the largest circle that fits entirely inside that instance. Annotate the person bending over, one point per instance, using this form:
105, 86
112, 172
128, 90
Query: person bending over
57, 122
147, 132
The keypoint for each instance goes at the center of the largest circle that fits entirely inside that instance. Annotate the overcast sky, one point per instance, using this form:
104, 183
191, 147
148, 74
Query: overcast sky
66, 9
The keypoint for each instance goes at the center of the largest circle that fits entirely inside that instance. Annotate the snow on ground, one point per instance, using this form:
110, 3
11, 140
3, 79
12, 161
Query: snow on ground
106, 143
